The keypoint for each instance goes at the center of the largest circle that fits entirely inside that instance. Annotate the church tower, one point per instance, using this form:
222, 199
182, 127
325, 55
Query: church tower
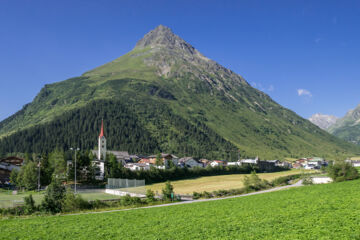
102, 143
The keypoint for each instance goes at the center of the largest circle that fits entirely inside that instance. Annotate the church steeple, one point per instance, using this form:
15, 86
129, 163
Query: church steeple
102, 129
102, 143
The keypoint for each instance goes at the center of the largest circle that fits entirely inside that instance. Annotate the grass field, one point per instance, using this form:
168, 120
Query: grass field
216, 182
7, 198
330, 211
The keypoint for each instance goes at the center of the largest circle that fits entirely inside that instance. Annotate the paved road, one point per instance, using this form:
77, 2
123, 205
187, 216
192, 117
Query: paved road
297, 184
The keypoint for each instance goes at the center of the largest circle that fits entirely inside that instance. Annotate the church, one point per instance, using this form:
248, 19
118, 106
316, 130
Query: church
101, 152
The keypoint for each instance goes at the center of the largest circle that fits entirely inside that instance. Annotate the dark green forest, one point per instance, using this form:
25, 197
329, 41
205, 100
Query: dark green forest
142, 128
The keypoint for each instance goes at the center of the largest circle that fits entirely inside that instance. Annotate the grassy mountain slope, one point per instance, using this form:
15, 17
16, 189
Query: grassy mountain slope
164, 70
348, 127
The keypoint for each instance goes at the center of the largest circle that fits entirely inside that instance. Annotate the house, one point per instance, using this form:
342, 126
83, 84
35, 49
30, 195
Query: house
189, 162
13, 160
137, 166
5, 171
267, 166
353, 163
285, 164
237, 163
296, 165
204, 162
147, 161
165, 158
249, 162
217, 163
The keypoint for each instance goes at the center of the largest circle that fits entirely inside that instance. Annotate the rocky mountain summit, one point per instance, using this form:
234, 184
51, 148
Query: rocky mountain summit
323, 121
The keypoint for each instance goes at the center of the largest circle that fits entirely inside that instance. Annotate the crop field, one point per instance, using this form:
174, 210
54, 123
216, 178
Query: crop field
330, 211
217, 182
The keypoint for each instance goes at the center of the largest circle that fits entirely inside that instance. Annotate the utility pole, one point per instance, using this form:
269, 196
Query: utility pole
77, 149
39, 167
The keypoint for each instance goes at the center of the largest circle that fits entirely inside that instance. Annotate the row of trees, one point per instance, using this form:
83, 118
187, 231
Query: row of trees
41, 169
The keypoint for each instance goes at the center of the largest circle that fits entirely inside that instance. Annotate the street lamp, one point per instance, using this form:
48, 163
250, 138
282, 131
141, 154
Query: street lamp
73, 149
39, 170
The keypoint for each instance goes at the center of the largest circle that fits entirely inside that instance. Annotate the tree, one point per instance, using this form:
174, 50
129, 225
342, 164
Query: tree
29, 206
54, 196
159, 160
342, 171
30, 176
168, 191
13, 177
58, 164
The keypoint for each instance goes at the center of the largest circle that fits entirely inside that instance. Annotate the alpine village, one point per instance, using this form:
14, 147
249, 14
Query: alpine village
165, 143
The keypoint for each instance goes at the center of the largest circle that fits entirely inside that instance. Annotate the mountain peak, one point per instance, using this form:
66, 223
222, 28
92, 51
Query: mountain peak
323, 121
163, 36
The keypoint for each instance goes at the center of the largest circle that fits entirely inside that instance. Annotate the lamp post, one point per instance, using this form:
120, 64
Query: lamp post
75, 149
39, 184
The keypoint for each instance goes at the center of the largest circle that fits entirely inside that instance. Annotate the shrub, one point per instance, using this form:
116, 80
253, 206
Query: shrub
342, 171
53, 197
29, 206
150, 195
196, 195
74, 202
168, 191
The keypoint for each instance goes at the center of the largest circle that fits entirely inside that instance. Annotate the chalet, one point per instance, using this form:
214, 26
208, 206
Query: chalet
189, 162
13, 161
7, 165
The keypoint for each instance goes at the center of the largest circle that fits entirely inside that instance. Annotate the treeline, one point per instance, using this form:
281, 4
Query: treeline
54, 165
139, 128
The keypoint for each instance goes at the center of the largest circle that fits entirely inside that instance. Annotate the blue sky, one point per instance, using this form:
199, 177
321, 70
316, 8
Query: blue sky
304, 54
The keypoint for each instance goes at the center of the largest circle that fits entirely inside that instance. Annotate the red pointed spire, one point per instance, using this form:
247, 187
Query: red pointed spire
102, 129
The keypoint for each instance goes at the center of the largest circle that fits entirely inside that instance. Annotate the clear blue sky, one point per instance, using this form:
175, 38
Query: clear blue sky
304, 54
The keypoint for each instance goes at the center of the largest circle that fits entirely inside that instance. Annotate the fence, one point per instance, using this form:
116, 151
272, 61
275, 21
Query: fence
121, 187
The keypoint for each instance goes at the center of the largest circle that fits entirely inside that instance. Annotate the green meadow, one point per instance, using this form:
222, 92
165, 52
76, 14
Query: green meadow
330, 211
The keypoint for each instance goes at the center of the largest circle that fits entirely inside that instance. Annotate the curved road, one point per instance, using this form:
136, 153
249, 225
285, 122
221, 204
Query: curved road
297, 184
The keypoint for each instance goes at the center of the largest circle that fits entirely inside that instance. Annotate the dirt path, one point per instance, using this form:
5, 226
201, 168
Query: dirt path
297, 184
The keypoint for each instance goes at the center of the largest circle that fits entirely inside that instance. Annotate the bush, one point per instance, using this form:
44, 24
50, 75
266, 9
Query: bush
342, 171
150, 195
74, 202
29, 206
53, 197
196, 195
307, 181
168, 191
255, 183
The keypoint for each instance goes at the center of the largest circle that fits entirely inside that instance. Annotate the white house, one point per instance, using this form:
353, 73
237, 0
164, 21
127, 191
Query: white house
216, 163
238, 163
137, 166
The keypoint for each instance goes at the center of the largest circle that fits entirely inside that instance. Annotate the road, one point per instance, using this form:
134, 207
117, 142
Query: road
297, 184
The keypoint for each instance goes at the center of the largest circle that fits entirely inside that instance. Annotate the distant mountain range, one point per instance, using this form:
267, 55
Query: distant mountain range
164, 95
347, 128
323, 121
